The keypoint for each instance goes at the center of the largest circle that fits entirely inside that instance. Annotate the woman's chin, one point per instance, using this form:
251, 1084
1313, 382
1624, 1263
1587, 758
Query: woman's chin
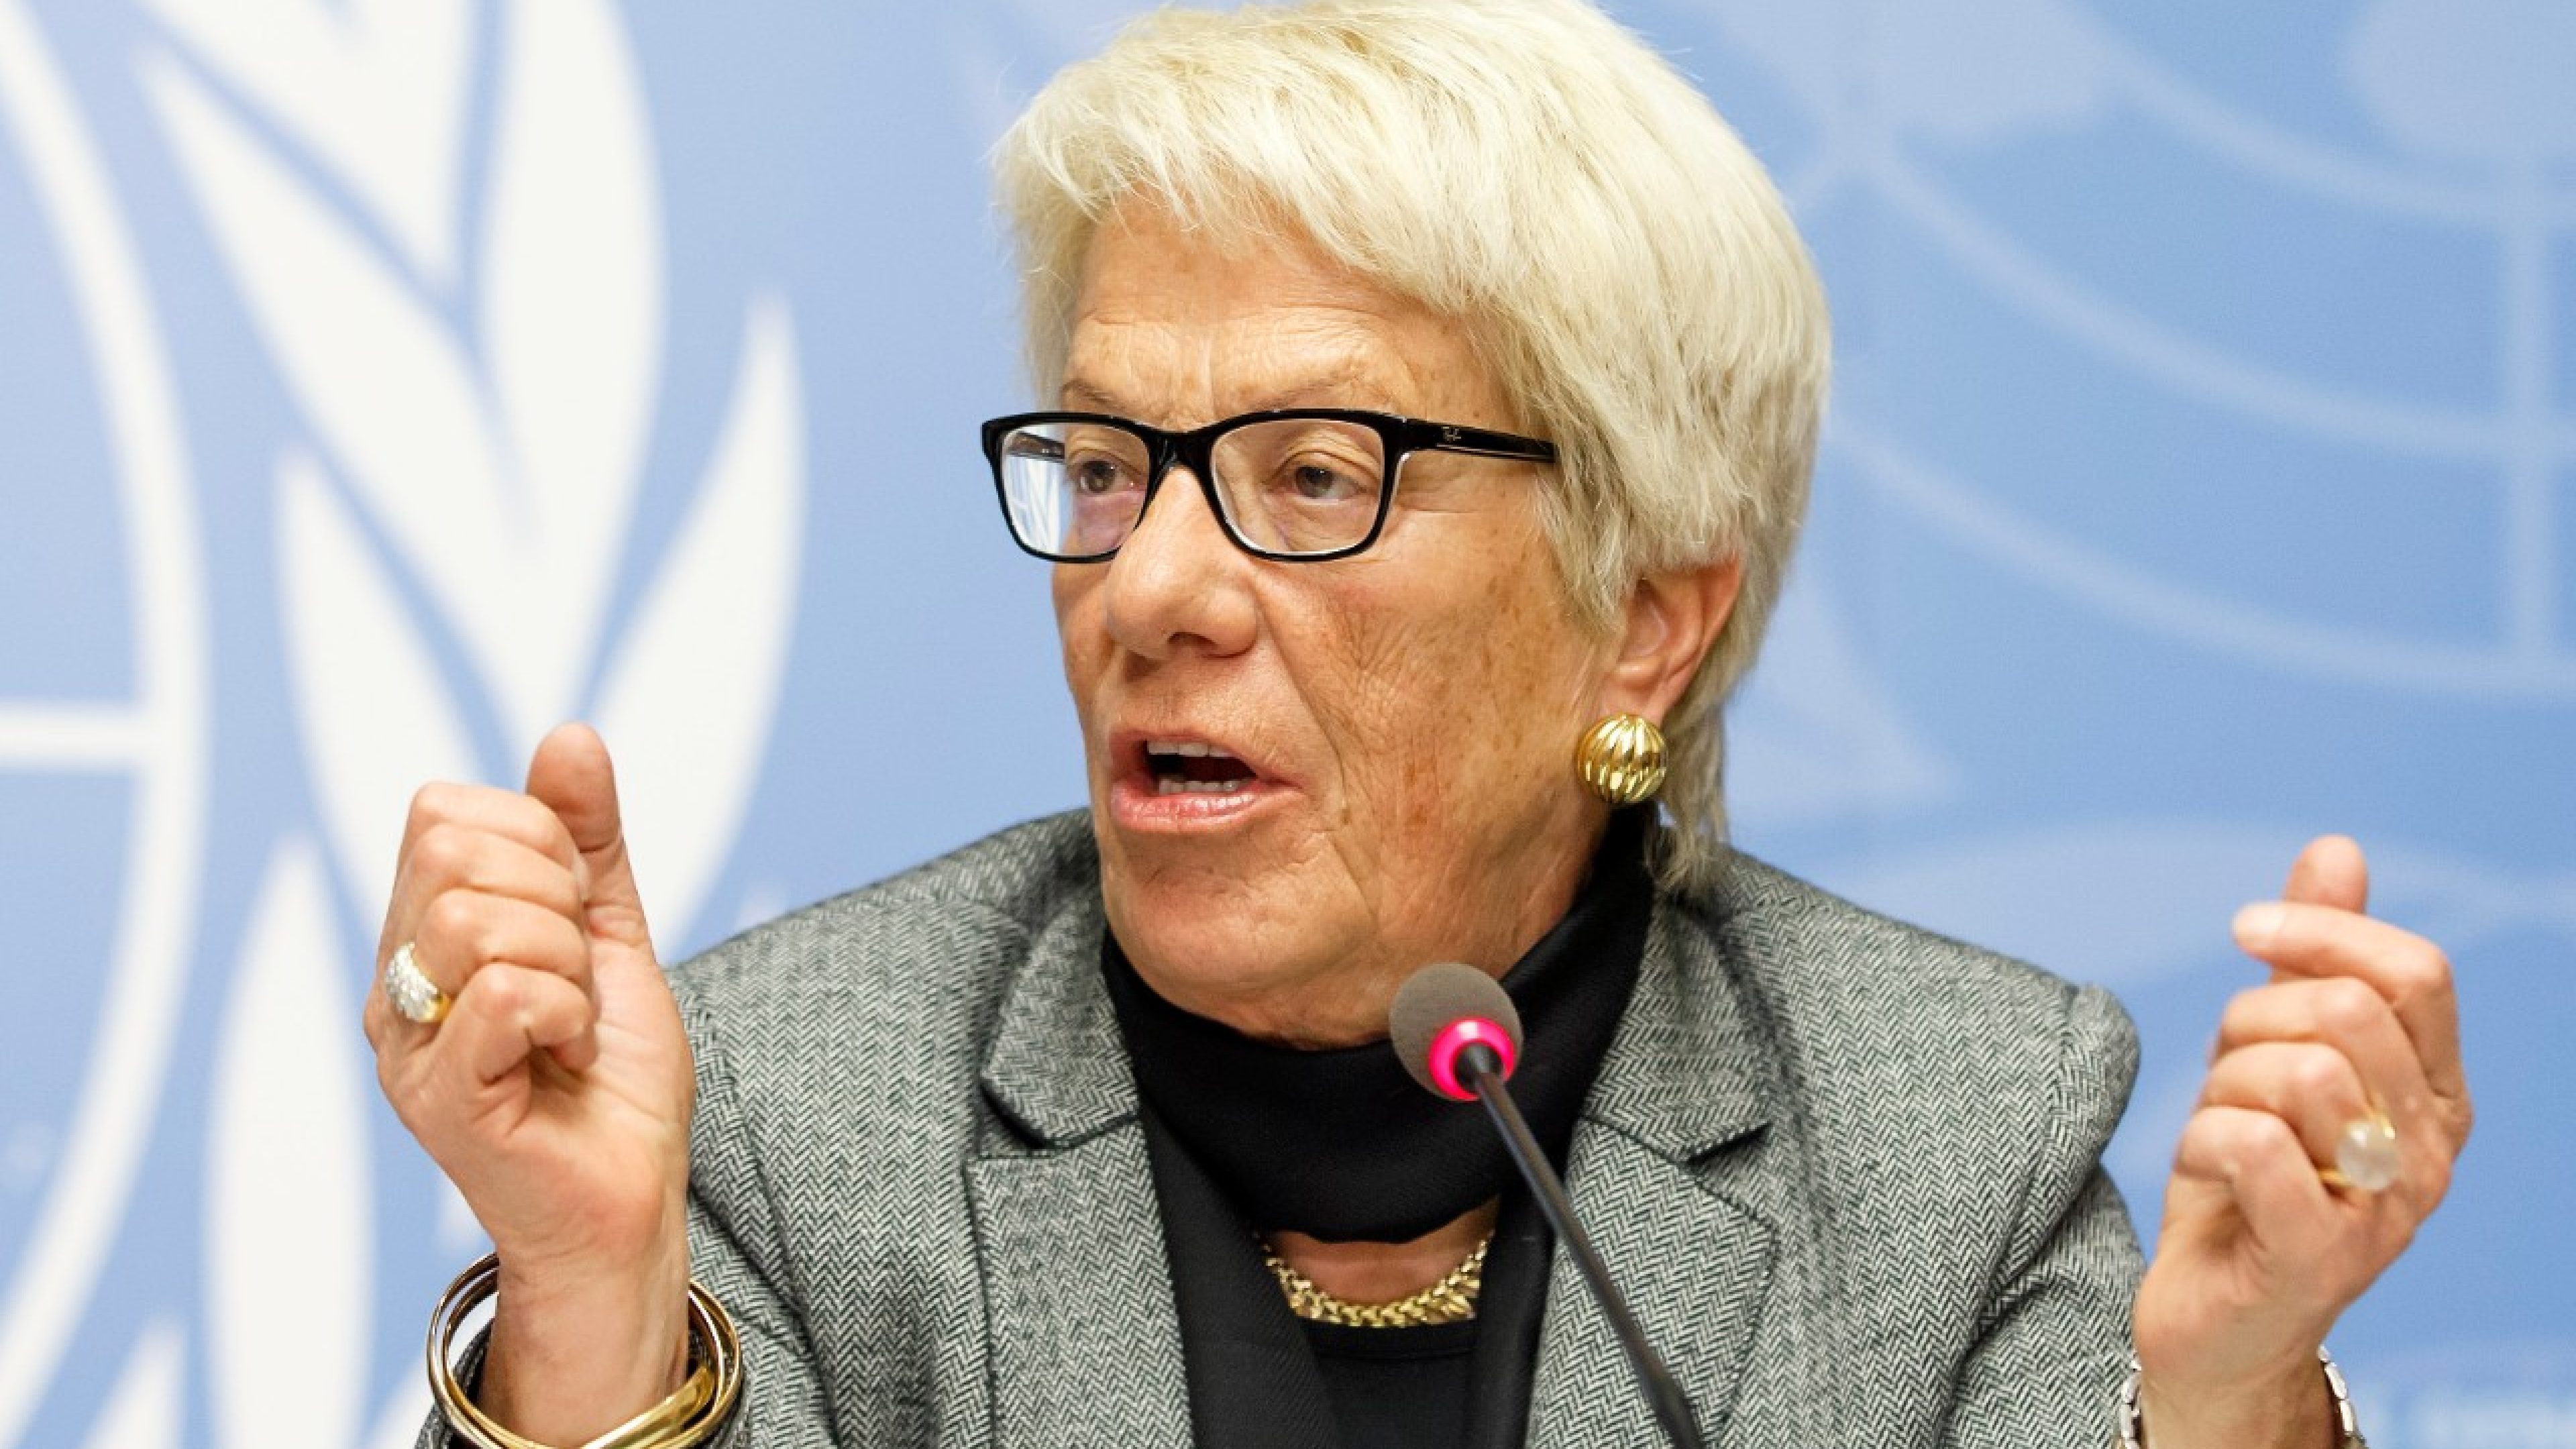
1263, 981
1234, 935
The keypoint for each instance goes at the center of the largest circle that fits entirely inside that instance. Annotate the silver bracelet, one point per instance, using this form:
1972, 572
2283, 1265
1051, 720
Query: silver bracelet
2133, 1429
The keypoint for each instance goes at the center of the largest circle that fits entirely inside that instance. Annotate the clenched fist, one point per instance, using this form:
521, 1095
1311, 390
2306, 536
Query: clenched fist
556, 1092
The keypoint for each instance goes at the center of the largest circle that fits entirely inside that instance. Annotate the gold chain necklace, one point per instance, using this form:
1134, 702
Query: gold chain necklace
1451, 1300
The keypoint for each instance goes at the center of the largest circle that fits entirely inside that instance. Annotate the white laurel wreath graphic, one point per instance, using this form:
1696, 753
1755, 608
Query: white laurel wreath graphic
156, 739
453, 540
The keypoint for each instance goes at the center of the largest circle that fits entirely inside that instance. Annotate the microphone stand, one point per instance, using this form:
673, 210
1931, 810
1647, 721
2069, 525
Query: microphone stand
1483, 1071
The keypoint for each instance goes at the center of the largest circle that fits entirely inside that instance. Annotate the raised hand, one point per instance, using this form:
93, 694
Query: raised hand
556, 1091
2264, 1244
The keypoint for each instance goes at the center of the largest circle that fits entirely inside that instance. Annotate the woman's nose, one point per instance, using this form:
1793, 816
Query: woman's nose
1178, 584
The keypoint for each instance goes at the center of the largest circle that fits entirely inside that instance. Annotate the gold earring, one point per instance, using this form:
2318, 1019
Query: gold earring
1621, 759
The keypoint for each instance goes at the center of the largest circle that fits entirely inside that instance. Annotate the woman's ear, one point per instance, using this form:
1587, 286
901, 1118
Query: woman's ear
1671, 621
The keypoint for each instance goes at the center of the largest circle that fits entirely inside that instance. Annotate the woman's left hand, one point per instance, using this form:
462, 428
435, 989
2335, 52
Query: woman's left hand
2259, 1254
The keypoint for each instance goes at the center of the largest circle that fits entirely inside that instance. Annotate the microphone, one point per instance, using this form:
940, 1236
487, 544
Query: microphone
1458, 1034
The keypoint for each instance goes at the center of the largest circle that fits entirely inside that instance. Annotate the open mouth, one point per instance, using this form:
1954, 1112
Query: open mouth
1187, 767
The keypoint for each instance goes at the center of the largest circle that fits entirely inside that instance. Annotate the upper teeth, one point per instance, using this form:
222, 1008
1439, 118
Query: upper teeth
1184, 747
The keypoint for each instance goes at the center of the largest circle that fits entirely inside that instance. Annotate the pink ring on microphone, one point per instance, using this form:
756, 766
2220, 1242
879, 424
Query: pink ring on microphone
1456, 1037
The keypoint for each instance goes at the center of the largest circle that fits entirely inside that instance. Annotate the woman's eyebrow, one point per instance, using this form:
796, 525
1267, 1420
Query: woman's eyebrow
1082, 395
1349, 387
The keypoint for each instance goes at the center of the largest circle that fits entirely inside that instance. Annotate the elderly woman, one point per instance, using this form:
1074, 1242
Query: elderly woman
1434, 391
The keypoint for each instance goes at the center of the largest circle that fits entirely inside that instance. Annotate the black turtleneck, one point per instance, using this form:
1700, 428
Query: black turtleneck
1342, 1144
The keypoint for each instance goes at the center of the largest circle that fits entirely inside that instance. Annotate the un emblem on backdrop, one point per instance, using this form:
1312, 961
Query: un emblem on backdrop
104, 734
2202, 405
457, 282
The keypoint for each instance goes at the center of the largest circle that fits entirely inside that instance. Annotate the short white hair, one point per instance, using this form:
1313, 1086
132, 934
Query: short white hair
1535, 171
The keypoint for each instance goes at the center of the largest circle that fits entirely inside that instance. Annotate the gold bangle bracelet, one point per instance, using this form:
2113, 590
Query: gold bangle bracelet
690, 1416
659, 1423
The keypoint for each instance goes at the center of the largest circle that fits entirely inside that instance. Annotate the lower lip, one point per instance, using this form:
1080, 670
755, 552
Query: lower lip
1136, 804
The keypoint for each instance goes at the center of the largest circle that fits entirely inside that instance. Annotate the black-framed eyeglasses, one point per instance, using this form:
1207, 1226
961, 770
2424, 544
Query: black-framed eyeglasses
1297, 484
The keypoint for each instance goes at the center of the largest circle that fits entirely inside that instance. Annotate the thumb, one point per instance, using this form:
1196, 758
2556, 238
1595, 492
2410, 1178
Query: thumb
572, 776
2330, 872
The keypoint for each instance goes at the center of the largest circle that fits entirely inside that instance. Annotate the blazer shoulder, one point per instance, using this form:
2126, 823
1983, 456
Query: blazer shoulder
1920, 1064
1874, 984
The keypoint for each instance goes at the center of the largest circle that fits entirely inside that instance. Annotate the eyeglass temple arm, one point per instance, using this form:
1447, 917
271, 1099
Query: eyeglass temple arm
1477, 442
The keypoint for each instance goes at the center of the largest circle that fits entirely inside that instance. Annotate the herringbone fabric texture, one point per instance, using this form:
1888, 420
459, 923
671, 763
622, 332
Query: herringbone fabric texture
1846, 1170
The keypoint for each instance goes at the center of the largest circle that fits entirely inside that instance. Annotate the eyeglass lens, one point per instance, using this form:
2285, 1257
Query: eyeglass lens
1284, 486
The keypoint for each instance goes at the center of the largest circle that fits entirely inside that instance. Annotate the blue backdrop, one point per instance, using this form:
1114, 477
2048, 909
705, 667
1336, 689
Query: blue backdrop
381, 380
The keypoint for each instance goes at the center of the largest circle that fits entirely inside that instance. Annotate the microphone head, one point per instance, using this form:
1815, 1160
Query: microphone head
1442, 1010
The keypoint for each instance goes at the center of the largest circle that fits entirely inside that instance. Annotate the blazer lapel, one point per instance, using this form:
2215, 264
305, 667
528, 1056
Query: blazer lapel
1086, 1345
1664, 1169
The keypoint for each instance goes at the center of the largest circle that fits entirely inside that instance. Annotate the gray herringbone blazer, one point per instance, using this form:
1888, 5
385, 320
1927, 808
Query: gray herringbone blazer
1846, 1170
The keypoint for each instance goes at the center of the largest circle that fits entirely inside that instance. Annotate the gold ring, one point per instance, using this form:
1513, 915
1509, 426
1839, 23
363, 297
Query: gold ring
2366, 1156
411, 991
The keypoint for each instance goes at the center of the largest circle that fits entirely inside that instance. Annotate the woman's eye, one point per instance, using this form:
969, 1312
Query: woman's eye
1097, 475
1321, 483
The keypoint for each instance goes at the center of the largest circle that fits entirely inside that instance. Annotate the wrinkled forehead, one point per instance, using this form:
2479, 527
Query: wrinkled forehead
1178, 324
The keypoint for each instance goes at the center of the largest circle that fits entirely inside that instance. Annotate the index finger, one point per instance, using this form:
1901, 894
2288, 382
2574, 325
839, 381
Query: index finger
2408, 971
505, 813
